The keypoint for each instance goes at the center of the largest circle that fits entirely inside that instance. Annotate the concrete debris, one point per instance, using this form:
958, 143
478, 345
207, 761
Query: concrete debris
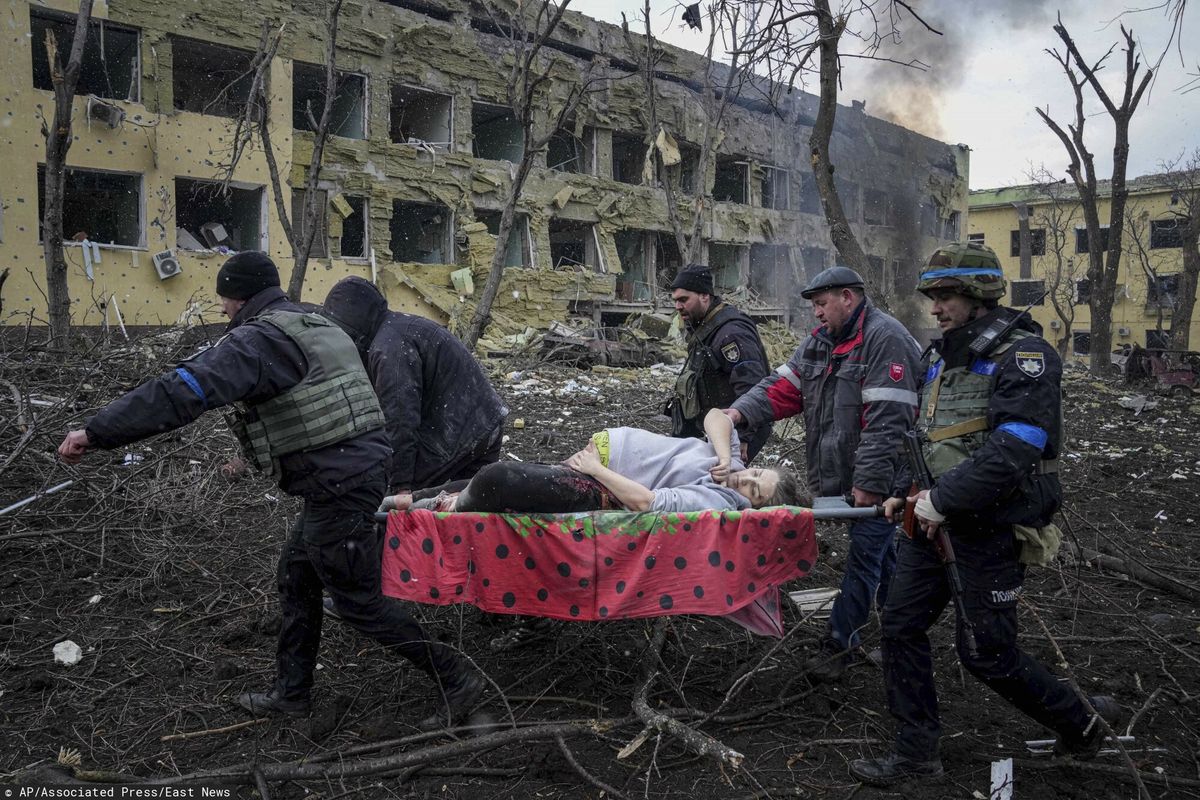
67, 653
1137, 403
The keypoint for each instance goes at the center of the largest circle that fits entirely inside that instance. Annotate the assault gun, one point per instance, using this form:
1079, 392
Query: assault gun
923, 480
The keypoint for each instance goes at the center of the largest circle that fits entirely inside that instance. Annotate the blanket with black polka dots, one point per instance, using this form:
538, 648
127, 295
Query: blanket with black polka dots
602, 565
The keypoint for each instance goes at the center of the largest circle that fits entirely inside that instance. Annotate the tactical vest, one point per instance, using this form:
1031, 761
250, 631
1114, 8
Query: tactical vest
954, 414
333, 402
696, 391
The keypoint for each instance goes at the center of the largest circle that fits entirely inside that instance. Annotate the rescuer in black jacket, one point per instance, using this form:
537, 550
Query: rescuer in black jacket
725, 359
279, 367
444, 420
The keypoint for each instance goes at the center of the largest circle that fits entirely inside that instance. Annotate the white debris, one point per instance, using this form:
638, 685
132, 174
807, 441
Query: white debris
94, 599
133, 458
67, 653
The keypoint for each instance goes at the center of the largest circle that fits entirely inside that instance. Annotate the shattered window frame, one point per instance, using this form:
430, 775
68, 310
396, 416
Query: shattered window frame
97, 53
1037, 242
1081, 342
395, 126
770, 179
952, 225
447, 234
633, 157
770, 280
203, 93
635, 283
1158, 339
977, 238
238, 243
343, 78
92, 209
361, 205
736, 270
731, 179
584, 146
1026, 291
1081, 239
510, 151
1162, 291
519, 229
1165, 234
592, 251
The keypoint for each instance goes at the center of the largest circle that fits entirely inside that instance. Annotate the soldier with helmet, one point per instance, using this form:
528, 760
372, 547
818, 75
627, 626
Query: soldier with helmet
990, 425
855, 380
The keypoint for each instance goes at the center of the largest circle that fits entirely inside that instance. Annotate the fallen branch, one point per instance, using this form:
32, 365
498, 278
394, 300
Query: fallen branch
583, 773
175, 737
1134, 570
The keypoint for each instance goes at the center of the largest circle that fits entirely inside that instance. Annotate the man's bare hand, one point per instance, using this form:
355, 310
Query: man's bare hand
74, 446
893, 508
734, 415
865, 499
234, 468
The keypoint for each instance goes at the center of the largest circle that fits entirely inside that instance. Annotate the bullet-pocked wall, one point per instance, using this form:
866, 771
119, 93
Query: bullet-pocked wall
418, 165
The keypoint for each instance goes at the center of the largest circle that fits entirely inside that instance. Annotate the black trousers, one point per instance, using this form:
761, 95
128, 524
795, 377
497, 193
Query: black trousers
524, 486
992, 577
337, 545
486, 451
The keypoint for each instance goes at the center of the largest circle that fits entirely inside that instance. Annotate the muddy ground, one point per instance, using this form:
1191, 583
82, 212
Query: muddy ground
162, 572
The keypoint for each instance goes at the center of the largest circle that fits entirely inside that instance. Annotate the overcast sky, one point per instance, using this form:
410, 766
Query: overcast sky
989, 71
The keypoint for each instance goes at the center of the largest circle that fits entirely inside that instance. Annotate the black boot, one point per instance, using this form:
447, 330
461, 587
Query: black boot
460, 689
829, 663
1087, 744
893, 769
262, 704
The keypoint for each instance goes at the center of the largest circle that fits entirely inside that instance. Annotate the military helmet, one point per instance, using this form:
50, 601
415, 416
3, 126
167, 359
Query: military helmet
832, 278
966, 268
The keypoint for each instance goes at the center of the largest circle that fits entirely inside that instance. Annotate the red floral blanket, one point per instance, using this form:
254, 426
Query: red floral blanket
602, 565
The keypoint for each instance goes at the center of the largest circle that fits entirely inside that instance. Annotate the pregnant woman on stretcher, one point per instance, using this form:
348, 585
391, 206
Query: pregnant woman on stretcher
620, 468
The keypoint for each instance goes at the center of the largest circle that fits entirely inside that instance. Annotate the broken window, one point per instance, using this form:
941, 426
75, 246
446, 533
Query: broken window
206, 218
731, 182
420, 233
1083, 290
1031, 292
320, 248
421, 117
877, 207
667, 259
102, 207
632, 284
1162, 290
347, 117
426, 9
1037, 242
730, 265
210, 78
1081, 342
110, 66
1081, 240
497, 134
354, 239
813, 259
628, 158
848, 193
689, 168
517, 253
574, 245
770, 270
569, 152
775, 188
1158, 340
951, 226
977, 238
1165, 233
809, 201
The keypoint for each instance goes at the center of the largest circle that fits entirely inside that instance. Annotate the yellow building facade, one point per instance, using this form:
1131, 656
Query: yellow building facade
1148, 280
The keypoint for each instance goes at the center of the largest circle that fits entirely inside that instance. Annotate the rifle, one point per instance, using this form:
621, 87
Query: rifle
923, 480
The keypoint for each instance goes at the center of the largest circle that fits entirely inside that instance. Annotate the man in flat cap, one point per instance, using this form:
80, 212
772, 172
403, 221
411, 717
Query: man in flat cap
855, 379
725, 358
306, 414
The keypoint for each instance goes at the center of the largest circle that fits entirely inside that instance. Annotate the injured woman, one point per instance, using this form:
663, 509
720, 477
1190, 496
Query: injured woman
620, 468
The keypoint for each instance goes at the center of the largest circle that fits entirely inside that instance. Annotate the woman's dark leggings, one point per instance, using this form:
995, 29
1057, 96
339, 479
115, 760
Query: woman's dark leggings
524, 487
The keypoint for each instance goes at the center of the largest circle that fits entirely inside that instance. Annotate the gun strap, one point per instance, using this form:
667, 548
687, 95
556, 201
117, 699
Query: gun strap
973, 425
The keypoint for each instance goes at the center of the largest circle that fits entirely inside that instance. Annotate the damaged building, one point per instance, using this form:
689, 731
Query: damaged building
417, 165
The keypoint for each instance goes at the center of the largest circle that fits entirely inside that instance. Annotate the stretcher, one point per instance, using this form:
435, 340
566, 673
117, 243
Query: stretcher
605, 565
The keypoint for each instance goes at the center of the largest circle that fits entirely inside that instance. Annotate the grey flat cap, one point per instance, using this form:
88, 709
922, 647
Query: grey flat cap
832, 278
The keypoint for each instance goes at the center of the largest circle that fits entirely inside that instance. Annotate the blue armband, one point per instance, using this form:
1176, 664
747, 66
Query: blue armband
1030, 434
193, 384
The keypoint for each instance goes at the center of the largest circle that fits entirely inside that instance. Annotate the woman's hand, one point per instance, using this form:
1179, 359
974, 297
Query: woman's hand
586, 460
719, 472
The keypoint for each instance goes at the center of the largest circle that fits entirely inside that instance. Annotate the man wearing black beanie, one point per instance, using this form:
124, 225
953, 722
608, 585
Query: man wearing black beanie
726, 357
306, 414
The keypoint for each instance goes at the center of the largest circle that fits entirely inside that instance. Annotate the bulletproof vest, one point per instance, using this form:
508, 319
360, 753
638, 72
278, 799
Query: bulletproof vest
701, 384
333, 402
954, 414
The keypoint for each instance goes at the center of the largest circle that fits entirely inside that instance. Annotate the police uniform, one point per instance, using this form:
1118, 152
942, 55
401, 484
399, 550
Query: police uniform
305, 412
726, 358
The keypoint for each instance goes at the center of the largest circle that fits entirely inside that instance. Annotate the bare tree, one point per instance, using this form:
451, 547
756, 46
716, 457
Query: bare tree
1183, 176
1055, 212
1102, 266
529, 89
1138, 251
58, 142
255, 121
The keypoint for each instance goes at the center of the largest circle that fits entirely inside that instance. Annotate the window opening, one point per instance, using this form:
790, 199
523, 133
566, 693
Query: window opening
110, 66
420, 233
348, 115
422, 118
517, 252
102, 207
497, 134
209, 78
730, 184
208, 219
628, 158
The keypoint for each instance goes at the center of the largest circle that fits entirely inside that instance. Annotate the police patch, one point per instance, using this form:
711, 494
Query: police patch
731, 352
1032, 364
896, 372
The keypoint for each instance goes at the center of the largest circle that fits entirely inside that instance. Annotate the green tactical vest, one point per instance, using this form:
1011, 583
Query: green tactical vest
954, 414
333, 402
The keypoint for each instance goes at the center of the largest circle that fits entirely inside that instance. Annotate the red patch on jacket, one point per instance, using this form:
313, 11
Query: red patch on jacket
896, 372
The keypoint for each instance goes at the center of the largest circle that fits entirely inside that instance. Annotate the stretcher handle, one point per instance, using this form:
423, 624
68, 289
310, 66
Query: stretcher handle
866, 512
